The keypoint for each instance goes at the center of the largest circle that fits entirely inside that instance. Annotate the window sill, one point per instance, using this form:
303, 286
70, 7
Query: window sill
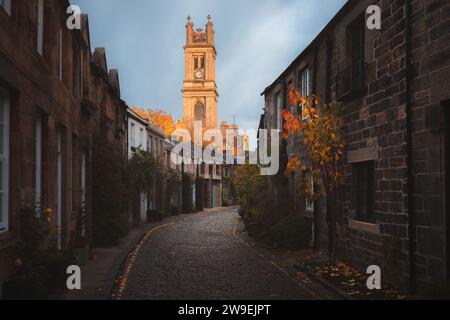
364, 226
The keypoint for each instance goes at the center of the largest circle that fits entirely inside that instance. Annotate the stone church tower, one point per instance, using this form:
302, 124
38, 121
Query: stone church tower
200, 94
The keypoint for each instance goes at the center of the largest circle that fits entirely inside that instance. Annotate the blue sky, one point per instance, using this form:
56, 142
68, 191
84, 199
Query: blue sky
255, 39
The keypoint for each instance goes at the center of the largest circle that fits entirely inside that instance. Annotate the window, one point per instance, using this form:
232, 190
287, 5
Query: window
199, 62
75, 174
278, 107
81, 73
310, 203
199, 112
351, 79
38, 164
141, 138
76, 62
60, 170
60, 54
40, 27
4, 161
6, 5
328, 69
132, 142
150, 139
83, 190
364, 189
304, 85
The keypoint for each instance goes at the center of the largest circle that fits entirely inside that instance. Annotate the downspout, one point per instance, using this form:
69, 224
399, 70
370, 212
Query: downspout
409, 141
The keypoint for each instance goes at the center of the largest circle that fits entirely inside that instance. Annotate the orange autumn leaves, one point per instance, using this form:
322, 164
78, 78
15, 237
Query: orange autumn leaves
320, 133
158, 118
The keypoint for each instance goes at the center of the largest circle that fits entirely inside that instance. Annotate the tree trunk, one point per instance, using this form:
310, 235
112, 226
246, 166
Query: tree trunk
331, 221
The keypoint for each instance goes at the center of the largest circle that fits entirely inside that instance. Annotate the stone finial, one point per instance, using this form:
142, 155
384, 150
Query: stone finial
189, 18
209, 18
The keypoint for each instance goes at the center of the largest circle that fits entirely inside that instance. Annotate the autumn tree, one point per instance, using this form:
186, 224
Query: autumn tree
320, 131
158, 118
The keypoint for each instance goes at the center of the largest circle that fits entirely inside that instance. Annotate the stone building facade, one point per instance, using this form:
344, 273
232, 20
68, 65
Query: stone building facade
392, 95
200, 95
55, 98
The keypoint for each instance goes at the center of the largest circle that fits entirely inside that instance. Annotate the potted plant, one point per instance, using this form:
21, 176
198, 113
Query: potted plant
40, 267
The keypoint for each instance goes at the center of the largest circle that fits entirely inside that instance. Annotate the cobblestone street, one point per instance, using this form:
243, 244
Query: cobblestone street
200, 257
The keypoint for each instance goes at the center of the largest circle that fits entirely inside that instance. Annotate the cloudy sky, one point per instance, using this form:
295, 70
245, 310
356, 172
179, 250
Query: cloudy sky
255, 39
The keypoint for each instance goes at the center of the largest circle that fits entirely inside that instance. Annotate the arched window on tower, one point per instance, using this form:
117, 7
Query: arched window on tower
199, 112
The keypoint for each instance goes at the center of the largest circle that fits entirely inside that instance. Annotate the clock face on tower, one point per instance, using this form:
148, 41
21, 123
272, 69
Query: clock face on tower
198, 74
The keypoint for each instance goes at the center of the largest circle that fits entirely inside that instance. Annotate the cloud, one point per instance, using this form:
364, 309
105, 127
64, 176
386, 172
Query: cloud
256, 40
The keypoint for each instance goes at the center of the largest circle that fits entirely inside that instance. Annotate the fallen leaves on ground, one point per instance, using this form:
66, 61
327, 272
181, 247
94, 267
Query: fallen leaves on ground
351, 281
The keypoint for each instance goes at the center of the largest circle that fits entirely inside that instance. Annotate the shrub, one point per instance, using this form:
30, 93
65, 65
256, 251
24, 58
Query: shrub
110, 220
40, 268
186, 193
291, 232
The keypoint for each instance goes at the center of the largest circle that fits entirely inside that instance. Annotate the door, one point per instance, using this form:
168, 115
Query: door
38, 165
447, 184
143, 207
214, 194
59, 187
83, 192
358, 53
4, 161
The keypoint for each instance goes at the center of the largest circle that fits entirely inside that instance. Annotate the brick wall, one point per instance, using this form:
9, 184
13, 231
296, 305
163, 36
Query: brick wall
375, 129
33, 85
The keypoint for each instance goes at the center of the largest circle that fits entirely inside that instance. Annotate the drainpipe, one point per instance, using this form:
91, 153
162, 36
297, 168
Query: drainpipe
409, 141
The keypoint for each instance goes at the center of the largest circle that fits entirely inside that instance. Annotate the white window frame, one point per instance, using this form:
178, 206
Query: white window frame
141, 138
40, 27
309, 204
6, 4
38, 165
278, 107
149, 143
4, 222
132, 142
305, 88
83, 189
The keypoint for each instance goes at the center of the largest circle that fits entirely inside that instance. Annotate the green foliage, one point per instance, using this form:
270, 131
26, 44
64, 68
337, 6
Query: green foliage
40, 268
143, 169
110, 221
172, 177
186, 196
259, 209
249, 182
291, 232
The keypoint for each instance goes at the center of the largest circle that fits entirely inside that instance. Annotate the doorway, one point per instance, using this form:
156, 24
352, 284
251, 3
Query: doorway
446, 106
